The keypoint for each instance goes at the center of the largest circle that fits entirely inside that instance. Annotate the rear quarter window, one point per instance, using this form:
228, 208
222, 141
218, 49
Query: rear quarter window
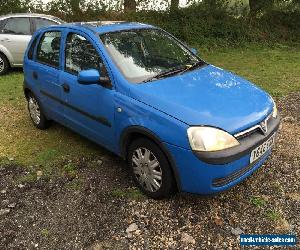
42, 22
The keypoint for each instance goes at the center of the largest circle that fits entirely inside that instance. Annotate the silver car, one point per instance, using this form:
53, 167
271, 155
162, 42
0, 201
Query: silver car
15, 34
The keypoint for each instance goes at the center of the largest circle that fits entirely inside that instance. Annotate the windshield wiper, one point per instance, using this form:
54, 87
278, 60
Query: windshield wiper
194, 66
165, 73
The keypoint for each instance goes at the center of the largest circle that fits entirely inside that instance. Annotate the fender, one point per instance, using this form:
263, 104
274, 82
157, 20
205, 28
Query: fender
125, 137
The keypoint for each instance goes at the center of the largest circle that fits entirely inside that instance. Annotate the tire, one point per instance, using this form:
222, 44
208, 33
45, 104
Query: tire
36, 113
153, 174
4, 64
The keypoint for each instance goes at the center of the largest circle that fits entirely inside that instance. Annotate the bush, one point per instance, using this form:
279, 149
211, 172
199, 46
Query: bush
199, 25
203, 24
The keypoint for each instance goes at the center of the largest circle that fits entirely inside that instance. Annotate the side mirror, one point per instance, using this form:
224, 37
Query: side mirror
90, 76
194, 51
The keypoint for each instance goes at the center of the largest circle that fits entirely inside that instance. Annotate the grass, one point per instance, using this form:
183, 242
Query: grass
11, 88
70, 170
131, 193
75, 184
45, 232
272, 215
258, 201
273, 69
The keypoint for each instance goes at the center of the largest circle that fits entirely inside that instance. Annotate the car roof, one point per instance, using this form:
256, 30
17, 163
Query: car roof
28, 15
107, 26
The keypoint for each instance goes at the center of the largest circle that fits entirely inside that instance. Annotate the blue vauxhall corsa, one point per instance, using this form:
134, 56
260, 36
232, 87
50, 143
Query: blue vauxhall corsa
181, 123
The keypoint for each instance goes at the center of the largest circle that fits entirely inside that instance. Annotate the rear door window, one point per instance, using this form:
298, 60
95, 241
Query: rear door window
32, 47
17, 26
49, 48
41, 23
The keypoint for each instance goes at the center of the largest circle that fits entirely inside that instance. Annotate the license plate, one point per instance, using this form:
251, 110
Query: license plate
262, 149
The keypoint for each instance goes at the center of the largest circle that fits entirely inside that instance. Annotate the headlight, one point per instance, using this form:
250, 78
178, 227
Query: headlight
210, 139
275, 111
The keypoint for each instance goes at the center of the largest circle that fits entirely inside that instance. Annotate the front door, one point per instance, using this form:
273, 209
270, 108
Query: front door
88, 109
15, 36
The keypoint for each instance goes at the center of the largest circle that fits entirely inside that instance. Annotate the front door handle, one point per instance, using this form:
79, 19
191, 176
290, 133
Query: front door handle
66, 87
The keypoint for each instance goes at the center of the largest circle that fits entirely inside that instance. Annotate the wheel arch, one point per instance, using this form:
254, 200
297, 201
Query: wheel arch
27, 91
134, 132
7, 55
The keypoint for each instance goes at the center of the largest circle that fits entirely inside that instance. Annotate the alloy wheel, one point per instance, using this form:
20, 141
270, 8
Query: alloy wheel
34, 110
2, 66
147, 169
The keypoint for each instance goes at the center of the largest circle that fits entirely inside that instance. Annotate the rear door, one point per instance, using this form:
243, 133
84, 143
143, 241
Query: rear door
46, 72
15, 36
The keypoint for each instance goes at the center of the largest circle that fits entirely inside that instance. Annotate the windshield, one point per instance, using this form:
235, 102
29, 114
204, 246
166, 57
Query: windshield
142, 54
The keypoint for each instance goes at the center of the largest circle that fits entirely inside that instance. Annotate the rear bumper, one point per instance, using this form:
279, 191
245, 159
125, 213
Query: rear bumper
202, 177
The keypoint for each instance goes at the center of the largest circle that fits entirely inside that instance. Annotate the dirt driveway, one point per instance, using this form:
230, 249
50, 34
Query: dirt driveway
97, 206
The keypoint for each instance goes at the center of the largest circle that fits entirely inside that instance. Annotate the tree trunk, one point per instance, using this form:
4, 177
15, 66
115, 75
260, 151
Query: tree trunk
75, 8
260, 5
254, 7
129, 6
211, 3
174, 5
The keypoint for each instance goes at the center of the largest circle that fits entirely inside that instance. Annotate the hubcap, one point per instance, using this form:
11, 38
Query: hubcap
34, 110
147, 169
1, 64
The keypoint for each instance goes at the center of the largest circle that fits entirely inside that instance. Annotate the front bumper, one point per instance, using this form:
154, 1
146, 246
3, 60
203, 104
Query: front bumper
215, 174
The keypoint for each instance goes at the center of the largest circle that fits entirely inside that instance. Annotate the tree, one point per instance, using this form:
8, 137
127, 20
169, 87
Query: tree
69, 10
129, 6
13, 6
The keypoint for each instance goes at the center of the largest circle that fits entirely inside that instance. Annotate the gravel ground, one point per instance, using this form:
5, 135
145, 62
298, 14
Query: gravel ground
97, 206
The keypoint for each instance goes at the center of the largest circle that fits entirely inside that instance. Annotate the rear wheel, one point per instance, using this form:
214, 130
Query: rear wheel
150, 169
36, 113
4, 65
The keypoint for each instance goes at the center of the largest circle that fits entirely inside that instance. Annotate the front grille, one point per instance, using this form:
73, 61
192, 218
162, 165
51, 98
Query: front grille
219, 182
256, 128
246, 133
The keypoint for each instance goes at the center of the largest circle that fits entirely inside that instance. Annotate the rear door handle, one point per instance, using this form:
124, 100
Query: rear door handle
5, 40
34, 75
66, 87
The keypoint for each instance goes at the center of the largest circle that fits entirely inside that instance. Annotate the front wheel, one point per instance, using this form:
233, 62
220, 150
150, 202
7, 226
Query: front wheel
150, 169
36, 113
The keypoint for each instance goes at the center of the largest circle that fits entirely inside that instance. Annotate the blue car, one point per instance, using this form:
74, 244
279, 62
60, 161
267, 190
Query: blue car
180, 123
